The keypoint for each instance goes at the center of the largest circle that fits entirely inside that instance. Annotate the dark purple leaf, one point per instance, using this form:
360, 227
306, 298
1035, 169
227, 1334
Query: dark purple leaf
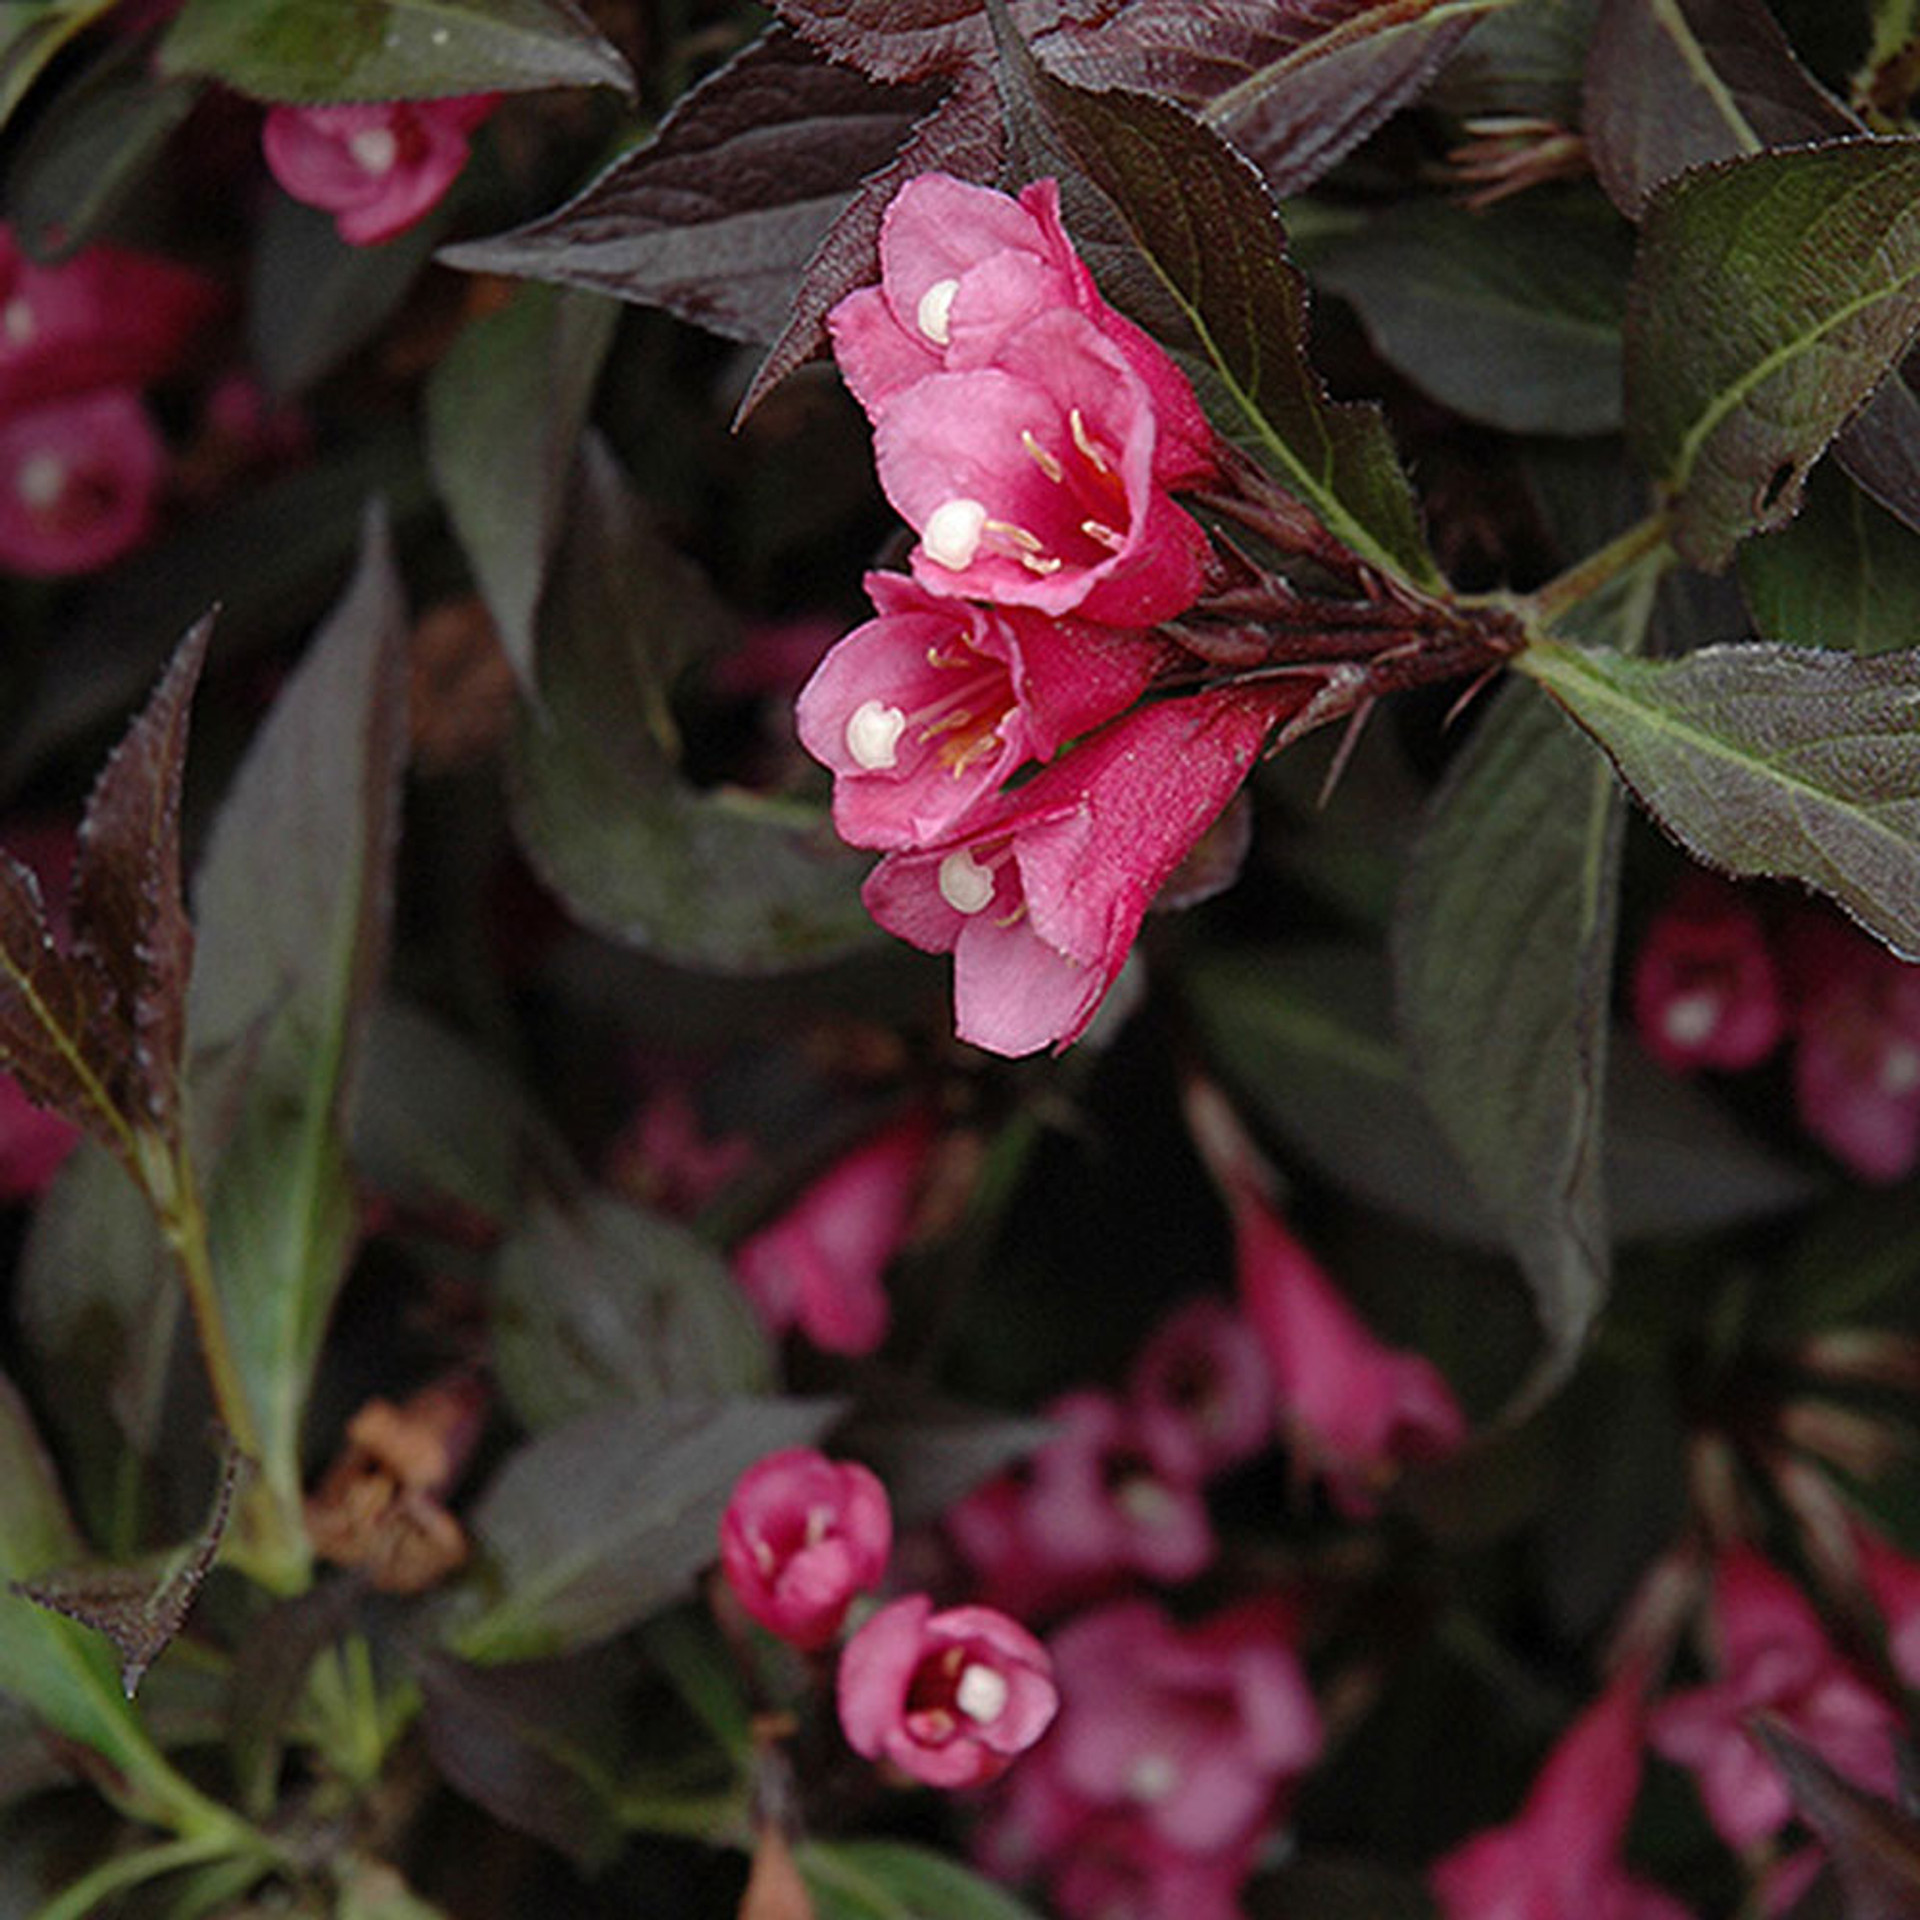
1672, 84
1874, 1846
913, 39
1881, 449
716, 216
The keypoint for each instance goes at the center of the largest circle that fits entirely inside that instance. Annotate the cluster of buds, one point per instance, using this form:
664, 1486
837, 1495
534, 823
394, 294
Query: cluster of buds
1034, 440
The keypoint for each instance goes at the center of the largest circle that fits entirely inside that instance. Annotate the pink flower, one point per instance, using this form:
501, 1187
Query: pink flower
1119, 1869
1705, 989
1354, 1408
1201, 1395
1039, 900
34, 1144
78, 482
950, 1698
376, 169
1856, 1064
1559, 1859
666, 1156
1893, 1579
1190, 1732
1773, 1658
105, 318
962, 267
818, 1266
801, 1536
924, 712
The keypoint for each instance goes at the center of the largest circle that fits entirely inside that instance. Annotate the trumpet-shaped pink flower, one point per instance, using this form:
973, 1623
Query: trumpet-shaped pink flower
1893, 1578
1035, 481
818, 1266
78, 482
1706, 992
1559, 1860
1773, 1658
105, 318
1040, 899
950, 1698
922, 713
1356, 1409
801, 1536
377, 169
961, 268
1201, 1394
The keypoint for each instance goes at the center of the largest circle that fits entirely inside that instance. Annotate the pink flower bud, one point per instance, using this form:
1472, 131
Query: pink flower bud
1705, 989
78, 480
376, 169
950, 1698
801, 1536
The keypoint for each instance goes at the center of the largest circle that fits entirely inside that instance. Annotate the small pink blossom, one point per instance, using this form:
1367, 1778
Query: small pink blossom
1041, 897
961, 268
951, 1698
34, 1143
922, 713
666, 1156
801, 1536
1200, 1392
1559, 1859
1893, 1579
377, 169
79, 479
1774, 1658
1357, 1410
818, 1267
1706, 992
1856, 1063
1119, 1869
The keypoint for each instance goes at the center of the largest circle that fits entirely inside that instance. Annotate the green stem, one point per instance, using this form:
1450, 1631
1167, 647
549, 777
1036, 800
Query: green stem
85, 1895
1586, 578
183, 1219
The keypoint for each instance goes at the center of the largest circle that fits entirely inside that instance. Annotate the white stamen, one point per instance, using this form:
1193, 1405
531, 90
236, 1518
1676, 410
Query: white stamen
819, 1524
41, 481
1691, 1019
1147, 1501
17, 321
374, 150
1084, 441
1103, 535
1041, 458
932, 314
873, 735
1900, 1069
965, 885
982, 1694
952, 534
1022, 537
1152, 1777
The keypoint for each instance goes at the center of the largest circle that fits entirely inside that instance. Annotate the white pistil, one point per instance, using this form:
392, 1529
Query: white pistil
1103, 535
17, 321
1084, 441
952, 534
965, 885
1152, 1777
1041, 458
374, 150
41, 481
1690, 1020
1900, 1069
873, 735
982, 1694
933, 314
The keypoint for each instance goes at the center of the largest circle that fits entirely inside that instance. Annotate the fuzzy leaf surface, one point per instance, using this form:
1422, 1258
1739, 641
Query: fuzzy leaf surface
314, 51
913, 39
1768, 760
1881, 449
1770, 297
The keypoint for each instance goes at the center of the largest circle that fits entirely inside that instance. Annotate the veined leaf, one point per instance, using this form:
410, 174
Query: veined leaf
1881, 449
890, 1880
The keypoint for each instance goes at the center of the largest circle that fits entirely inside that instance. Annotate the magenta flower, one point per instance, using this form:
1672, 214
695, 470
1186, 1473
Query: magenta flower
78, 482
801, 1536
950, 1698
1040, 899
961, 268
377, 169
1893, 1579
1856, 1063
1189, 1731
1201, 1396
1706, 992
1356, 1410
105, 318
1559, 1859
818, 1266
1773, 1658
924, 712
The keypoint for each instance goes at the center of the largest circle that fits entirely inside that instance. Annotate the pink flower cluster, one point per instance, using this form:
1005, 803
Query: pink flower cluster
1033, 439
34, 1143
1715, 986
377, 168
81, 463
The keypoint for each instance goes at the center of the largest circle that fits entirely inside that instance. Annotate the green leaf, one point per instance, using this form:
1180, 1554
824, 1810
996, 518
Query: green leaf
293, 898
602, 1304
1846, 574
348, 50
1503, 955
1181, 233
890, 1880
504, 412
31, 33
721, 880
596, 1524
1511, 317
1770, 296
1765, 760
